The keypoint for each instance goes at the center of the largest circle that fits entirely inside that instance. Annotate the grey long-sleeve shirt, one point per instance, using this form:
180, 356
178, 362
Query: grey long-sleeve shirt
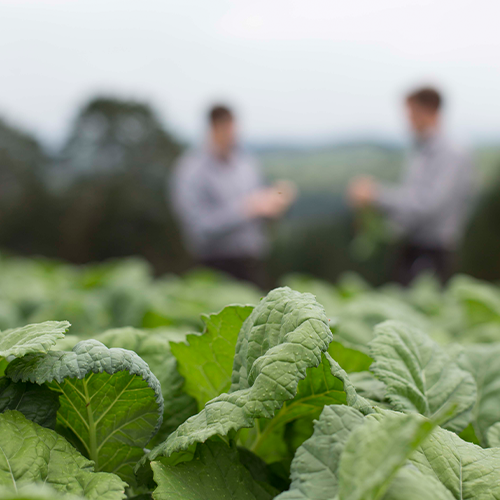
431, 205
207, 195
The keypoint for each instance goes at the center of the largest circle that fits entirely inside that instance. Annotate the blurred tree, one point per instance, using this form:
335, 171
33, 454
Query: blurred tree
22, 193
110, 179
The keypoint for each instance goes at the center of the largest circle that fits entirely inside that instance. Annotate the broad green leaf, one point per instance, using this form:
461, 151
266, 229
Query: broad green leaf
351, 360
283, 337
206, 362
30, 454
353, 399
376, 450
368, 386
482, 362
215, 474
315, 465
318, 389
3, 366
154, 348
35, 491
111, 403
39, 337
37, 403
493, 435
410, 484
466, 470
480, 300
420, 376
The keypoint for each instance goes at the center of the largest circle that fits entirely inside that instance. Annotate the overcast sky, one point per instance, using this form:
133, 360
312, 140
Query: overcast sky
302, 70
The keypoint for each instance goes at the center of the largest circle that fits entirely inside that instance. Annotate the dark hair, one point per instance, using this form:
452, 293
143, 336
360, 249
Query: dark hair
426, 97
219, 113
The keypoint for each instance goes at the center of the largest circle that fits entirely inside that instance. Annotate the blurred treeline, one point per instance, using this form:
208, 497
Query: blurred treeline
103, 195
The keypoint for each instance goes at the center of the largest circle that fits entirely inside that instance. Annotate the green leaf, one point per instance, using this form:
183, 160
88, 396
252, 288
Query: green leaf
482, 362
38, 491
111, 403
215, 474
37, 403
420, 376
368, 386
376, 450
493, 435
351, 360
353, 399
39, 337
30, 453
410, 484
283, 337
314, 467
466, 470
206, 362
154, 348
318, 389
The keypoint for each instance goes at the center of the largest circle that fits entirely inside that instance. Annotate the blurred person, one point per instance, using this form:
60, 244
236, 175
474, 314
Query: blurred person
222, 203
429, 208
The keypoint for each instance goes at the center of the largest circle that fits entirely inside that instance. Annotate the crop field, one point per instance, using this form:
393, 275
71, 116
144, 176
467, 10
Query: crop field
117, 384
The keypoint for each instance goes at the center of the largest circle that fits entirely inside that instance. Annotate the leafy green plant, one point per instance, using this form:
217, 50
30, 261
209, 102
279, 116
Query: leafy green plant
279, 399
111, 403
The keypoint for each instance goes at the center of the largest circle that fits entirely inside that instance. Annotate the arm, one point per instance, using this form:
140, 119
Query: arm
414, 201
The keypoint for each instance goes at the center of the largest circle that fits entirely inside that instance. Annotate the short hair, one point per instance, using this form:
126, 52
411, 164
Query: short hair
220, 113
427, 97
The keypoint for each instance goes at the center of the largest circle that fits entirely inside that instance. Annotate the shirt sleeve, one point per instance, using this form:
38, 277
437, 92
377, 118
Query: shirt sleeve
413, 202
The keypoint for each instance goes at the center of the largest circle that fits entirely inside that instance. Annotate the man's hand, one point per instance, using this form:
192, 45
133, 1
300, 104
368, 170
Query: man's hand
271, 202
361, 192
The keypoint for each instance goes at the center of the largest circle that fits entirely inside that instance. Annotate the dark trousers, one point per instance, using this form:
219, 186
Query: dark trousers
242, 268
414, 260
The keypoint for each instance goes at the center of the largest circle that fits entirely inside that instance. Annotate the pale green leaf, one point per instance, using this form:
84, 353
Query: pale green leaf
314, 467
318, 389
420, 376
481, 360
206, 361
283, 337
31, 454
215, 473
35, 491
376, 450
493, 435
111, 403
410, 484
38, 337
465, 469
154, 348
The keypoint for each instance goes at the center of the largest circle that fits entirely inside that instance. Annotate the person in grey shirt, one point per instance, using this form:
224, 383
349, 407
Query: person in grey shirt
429, 208
221, 201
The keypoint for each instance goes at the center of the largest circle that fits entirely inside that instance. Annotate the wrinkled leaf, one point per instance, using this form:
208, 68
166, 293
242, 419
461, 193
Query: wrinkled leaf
38, 337
466, 470
283, 337
30, 453
482, 362
420, 376
376, 450
154, 348
215, 473
111, 403
314, 467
